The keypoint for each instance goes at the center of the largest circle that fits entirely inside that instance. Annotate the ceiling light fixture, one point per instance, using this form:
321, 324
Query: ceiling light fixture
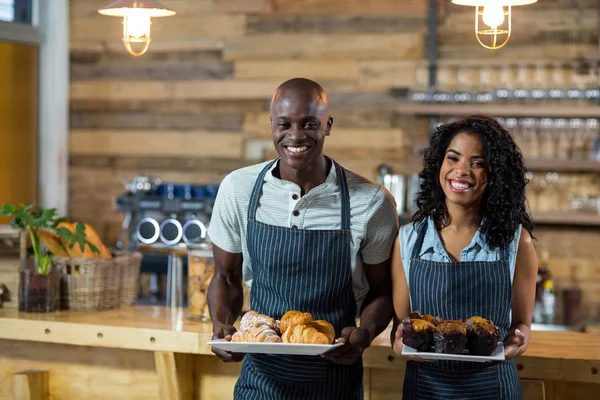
496, 15
136, 16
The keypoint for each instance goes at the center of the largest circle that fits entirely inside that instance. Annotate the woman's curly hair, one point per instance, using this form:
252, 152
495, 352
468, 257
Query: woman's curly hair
504, 198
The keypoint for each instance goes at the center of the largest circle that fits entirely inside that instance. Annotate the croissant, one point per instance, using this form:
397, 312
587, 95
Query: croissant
325, 328
304, 334
252, 319
292, 318
260, 333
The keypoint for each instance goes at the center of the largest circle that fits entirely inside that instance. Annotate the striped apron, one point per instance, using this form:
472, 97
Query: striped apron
309, 271
460, 290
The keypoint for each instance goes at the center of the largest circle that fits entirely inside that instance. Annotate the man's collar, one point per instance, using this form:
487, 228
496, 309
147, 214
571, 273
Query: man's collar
330, 179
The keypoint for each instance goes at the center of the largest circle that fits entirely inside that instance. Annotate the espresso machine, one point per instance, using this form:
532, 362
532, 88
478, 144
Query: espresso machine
164, 215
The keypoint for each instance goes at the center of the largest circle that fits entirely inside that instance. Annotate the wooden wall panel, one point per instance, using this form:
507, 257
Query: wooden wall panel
255, 6
156, 143
168, 90
312, 69
189, 106
357, 46
196, 105
326, 24
155, 120
351, 6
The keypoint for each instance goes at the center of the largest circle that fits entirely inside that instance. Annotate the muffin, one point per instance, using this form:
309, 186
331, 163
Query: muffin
450, 337
482, 336
417, 332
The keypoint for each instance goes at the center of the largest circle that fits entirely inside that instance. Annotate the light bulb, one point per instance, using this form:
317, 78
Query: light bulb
493, 15
137, 26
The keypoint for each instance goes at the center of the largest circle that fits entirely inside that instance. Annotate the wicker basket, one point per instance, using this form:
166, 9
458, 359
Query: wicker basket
97, 284
130, 273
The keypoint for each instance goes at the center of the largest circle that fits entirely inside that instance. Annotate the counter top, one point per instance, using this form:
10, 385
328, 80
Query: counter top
167, 329
569, 356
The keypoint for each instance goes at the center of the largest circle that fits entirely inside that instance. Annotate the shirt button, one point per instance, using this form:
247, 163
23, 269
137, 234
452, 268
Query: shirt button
295, 196
296, 213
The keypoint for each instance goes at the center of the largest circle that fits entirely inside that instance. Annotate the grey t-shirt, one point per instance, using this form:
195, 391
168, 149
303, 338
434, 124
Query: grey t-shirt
373, 218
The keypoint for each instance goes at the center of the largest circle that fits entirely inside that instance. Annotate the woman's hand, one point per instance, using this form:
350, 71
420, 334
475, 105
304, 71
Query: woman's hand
398, 346
514, 344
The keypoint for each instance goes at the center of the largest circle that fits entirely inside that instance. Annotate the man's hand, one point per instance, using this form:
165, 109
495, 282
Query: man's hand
514, 344
355, 340
221, 331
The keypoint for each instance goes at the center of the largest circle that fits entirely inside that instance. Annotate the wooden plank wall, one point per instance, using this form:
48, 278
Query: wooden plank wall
195, 106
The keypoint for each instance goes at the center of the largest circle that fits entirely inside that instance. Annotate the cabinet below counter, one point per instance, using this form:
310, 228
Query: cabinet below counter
146, 352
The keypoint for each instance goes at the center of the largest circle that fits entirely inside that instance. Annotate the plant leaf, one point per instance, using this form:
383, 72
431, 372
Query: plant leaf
8, 210
76, 238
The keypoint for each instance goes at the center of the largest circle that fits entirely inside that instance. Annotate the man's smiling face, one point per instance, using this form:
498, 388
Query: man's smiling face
299, 125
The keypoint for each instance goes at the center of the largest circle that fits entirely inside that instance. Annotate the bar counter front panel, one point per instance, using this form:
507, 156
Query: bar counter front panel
146, 352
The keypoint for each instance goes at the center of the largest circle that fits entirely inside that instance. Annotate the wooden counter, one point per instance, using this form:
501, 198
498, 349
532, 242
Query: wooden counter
155, 352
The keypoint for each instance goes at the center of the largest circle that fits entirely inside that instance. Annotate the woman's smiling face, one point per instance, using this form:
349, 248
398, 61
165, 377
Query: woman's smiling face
464, 171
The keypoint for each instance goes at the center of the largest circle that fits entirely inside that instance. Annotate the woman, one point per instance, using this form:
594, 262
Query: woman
468, 252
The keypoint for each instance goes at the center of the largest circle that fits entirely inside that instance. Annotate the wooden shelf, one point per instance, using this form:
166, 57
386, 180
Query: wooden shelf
566, 218
555, 165
501, 110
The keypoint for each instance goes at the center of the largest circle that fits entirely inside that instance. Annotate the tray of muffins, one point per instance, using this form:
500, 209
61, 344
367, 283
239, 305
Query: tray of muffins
297, 333
433, 338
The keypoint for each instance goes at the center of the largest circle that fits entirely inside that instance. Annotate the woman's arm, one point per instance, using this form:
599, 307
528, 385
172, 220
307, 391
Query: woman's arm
523, 298
400, 297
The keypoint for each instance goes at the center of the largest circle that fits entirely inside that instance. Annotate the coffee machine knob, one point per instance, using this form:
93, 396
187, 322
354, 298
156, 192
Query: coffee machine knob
147, 230
171, 231
194, 231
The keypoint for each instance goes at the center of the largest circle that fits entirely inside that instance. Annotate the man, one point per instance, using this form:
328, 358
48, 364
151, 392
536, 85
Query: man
306, 235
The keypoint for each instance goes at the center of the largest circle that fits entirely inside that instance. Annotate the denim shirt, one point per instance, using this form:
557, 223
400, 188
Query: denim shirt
433, 249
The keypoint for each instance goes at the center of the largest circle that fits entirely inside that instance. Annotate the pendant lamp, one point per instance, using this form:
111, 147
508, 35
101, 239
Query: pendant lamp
136, 16
495, 27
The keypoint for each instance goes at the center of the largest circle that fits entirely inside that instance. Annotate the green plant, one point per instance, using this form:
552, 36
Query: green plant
33, 219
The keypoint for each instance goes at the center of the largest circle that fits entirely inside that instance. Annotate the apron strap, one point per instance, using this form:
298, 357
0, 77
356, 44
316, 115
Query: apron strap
417, 247
504, 253
253, 204
345, 196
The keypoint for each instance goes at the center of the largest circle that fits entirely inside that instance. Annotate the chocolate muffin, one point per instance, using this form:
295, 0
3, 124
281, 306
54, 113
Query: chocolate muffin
418, 332
450, 337
482, 336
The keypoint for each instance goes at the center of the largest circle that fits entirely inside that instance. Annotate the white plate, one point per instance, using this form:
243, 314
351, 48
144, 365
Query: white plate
497, 355
274, 348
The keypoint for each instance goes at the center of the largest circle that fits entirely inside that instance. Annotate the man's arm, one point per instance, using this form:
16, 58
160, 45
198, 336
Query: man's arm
376, 314
377, 307
225, 298
382, 232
